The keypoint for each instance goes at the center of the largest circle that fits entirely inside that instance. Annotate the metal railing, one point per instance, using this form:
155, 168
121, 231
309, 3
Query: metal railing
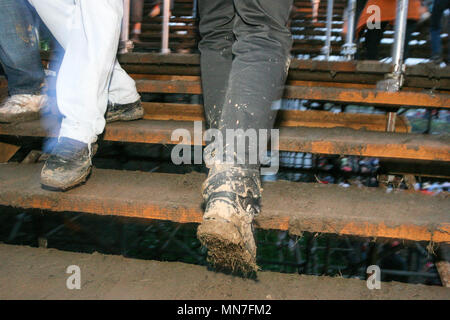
326, 50
126, 45
394, 80
349, 48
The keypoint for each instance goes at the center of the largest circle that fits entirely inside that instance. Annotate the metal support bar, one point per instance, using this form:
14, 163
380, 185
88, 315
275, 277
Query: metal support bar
390, 121
349, 48
194, 9
394, 80
125, 44
398, 49
165, 28
326, 50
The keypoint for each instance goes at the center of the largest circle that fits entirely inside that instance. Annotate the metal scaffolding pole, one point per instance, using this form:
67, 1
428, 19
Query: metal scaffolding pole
125, 44
349, 48
398, 49
394, 80
165, 28
326, 50
194, 8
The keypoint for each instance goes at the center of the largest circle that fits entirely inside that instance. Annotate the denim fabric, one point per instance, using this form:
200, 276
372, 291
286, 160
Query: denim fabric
19, 48
245, 56
439, 6
374, 37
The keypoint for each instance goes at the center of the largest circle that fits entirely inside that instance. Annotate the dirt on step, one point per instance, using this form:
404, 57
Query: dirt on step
35, 273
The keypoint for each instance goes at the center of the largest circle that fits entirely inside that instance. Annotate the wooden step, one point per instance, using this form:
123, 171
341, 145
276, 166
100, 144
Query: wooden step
350, 93
296, 207
286, 118
334, 141
296, 64
42, 273
314, 90
365, 72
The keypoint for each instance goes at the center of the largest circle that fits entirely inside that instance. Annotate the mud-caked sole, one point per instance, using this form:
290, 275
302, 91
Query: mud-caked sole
130, 115
52, 183
226, 250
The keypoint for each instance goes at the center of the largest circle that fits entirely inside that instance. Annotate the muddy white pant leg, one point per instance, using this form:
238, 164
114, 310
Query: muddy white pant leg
122, 89
89, 31
58, 16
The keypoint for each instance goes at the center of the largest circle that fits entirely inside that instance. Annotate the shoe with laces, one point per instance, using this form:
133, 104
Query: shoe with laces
232, 196
22, 107
124, 112
69, 164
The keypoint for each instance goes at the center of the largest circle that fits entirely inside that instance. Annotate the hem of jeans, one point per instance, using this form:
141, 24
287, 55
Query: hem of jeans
36, 92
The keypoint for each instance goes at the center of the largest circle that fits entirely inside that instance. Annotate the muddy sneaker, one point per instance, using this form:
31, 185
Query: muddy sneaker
124, 112
68, 165
22, 107
232, 196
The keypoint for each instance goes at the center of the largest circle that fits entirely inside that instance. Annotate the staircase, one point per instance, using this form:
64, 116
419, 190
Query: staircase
289, 206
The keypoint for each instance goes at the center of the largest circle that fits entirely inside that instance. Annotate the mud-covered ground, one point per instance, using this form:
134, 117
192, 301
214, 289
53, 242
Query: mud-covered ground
36, 273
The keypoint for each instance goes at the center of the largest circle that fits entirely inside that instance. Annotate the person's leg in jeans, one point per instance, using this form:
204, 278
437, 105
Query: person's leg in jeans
158, 8
439, 6
245, 59
372, 42
216, 56
411, 26
137, 12
89, 32
21, 61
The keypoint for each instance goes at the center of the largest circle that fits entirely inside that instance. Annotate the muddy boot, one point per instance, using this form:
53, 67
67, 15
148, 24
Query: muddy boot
124, 112
22, 107
68, 165
232, 195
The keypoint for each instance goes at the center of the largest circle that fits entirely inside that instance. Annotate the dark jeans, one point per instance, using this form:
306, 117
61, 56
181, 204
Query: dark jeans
373, 39
439, 6
245, 56
19, 48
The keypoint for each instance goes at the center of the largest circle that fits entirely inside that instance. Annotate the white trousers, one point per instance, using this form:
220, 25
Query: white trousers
90, 75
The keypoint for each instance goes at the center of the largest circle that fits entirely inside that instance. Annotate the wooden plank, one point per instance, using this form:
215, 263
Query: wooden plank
7, 151
286, 118
364, 143
295, 207
317, 91
340, 141
365, 67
